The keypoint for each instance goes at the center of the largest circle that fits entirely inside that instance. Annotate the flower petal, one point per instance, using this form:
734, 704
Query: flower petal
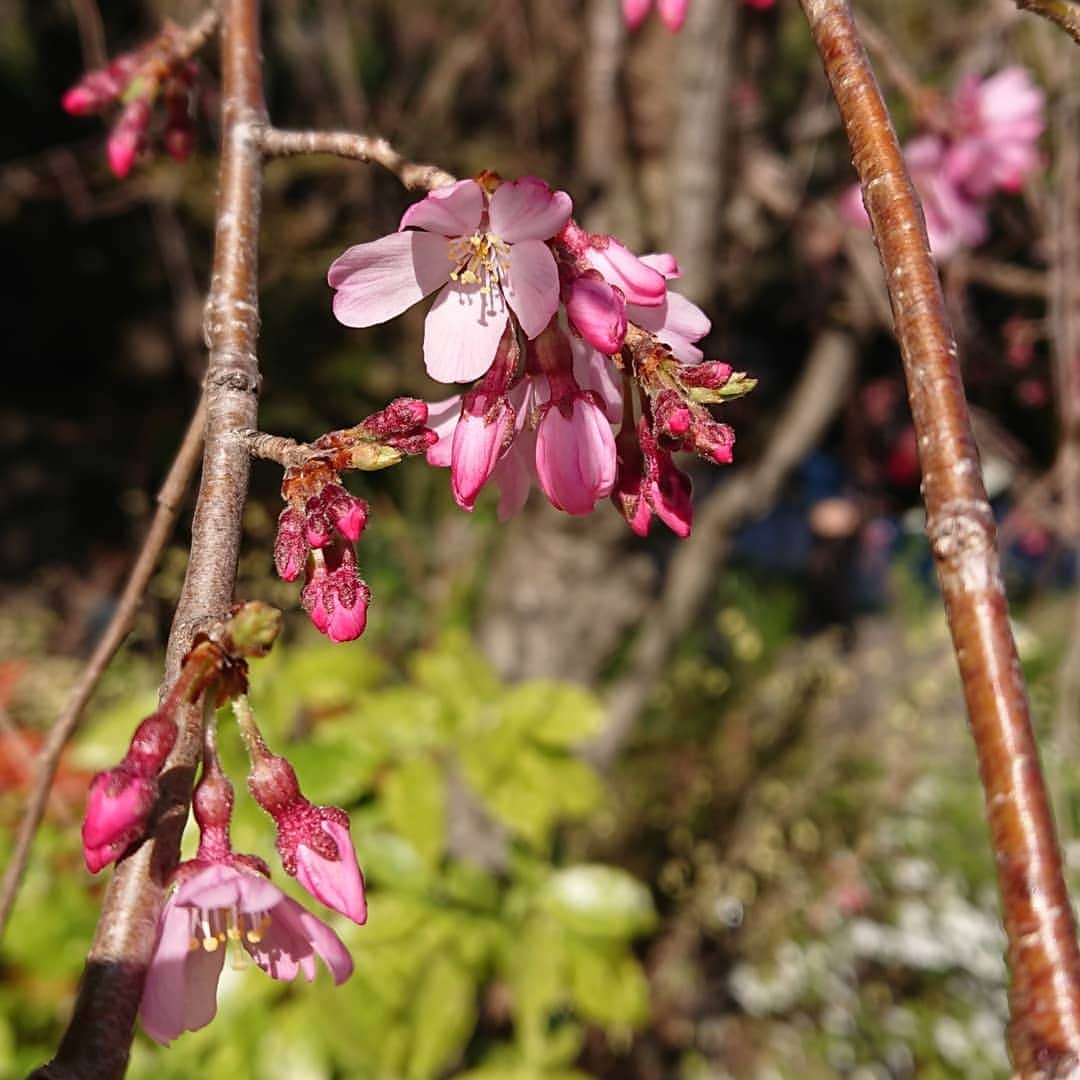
462, 332
454, 210
528, 209
379, 280
337, 883
532, 285
443, 417
289, 941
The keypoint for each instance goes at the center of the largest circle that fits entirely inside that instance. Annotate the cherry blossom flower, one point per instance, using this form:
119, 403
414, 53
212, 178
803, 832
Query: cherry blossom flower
220, 904
488, 254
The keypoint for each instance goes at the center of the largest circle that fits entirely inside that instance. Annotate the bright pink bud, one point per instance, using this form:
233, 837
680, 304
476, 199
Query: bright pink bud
575, 453
712, 440
335, 881
120, 799
483, 433
333, 595
634, 12
128, 137
672, 13
317, 527
290, 547
598, 312
348, 513
665, 487
628, 495
638, 282
671, 416
710, 375
401, 417
117, 807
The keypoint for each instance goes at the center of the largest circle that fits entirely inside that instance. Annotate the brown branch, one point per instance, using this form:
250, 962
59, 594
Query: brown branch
1065, 13
370, 149
1044, 1033
169, 500
813, 403
287, 452
98, 1039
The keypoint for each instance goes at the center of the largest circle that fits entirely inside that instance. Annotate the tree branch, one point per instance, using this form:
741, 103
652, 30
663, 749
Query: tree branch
1044, 1033
97, 1042
1065, 13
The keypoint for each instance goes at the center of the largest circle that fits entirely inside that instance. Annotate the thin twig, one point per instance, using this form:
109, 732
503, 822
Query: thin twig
98, 1039
1044, 964
169, 501
287, 452
371, 149
1065, 13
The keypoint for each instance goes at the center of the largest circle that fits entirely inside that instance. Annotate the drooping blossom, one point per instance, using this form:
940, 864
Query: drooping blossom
988, 143
334, 595
220, 905
313, 841
225, 901
672, 12
488, 254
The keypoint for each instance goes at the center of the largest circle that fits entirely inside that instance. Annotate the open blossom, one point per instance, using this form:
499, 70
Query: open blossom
990, 145
221, 904
486, 252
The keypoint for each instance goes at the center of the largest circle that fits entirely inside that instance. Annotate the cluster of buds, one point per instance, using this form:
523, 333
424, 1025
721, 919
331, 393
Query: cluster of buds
161, 70
121, 799
322, 522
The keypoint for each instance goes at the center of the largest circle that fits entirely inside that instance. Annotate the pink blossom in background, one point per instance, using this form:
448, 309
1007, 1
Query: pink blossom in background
990, 145
672, 12
217, 905
488, 255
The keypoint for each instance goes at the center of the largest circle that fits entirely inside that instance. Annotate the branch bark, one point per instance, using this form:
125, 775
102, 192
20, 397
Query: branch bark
1044, 996
98, 1039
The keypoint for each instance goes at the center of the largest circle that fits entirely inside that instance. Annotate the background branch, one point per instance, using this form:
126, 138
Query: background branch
1044, 964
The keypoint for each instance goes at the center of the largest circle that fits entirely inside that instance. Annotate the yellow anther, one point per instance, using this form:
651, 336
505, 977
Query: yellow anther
254, 936
210, 944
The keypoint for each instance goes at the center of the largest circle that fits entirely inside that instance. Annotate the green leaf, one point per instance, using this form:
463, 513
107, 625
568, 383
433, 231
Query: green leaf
553, 714
414, 797
444, 1015
600, 901
608, 987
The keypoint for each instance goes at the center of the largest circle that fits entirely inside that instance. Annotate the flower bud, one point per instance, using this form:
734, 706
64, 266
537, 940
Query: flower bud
290, 547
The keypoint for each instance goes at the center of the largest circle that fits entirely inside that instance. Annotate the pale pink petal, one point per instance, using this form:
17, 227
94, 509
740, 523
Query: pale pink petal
575, 456
292, 936
677, 322
598, 312
480, 439
454, 210
442, 419
528, 209
532, 285
222, 886
462, 332
639, 282
594, 371
663, 263
514, 475
634, 12
180, 992
379, 280
672, 12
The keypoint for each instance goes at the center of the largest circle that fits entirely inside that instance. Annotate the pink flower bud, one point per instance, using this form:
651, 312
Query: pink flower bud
710, 375
483, 433
672, 13
317, 527
712, 440
348, 513
634, 12
117, 807
671, 416
290, 547
575, 453
335, 881
598, 312
179, 134
128, 137
628, 495
333, 595
666, 488
401, 417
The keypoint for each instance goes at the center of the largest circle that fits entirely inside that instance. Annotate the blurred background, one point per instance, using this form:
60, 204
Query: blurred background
627, 808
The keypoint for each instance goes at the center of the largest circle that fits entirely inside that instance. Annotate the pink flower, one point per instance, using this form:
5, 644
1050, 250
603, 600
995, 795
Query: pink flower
1000, 120
483, 433
675, 321
638, 282
487, 252
128, 138
336, 882
672, 12
598, 312
215, 903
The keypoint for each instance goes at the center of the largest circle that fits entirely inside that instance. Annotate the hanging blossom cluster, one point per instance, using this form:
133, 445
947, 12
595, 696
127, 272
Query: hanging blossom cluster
222, 901
322, 522
159, 71
672, 12
586, 376
985, 142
